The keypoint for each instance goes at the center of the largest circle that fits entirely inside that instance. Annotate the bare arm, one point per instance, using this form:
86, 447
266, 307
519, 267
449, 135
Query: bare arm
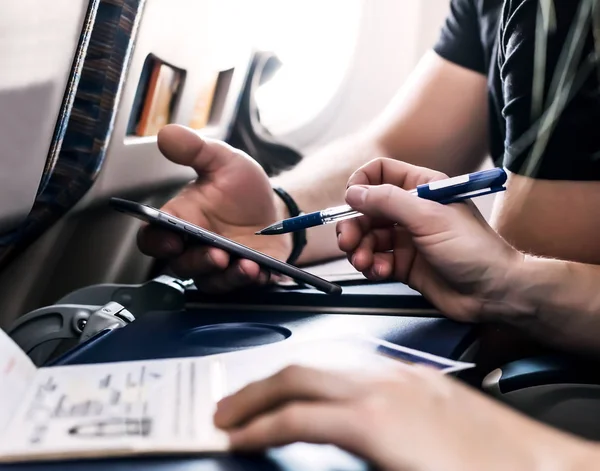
556, 301
555, 214
551, 218
437, 120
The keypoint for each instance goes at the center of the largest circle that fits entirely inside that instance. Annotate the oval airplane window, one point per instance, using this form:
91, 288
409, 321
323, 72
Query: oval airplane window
315, 41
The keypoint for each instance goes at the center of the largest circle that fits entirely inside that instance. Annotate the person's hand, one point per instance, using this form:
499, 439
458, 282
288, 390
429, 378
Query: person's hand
446, 252
232, 196
417, 420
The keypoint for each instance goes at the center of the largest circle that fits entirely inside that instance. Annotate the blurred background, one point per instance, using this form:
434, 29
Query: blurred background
86, 85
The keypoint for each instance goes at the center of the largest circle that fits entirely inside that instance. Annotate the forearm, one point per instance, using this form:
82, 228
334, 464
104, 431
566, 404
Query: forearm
319, 180
438, 120
556, 301
550, 218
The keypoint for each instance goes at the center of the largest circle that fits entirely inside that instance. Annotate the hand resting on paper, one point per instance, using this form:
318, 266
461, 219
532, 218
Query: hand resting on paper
417, 420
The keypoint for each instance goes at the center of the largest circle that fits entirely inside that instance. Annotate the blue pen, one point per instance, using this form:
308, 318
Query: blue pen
451, 190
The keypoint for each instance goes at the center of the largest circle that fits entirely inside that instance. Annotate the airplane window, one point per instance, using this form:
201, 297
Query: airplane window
315, 41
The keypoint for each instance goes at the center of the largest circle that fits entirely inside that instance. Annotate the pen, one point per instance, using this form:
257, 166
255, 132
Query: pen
450, 190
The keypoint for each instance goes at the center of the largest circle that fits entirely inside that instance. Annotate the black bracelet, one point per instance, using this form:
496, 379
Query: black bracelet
298, 237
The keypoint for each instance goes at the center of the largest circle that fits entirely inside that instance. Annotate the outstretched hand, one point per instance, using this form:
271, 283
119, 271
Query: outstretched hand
231, 196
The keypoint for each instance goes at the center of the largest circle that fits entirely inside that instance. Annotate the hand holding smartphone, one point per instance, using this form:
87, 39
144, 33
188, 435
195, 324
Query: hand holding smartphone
155, 216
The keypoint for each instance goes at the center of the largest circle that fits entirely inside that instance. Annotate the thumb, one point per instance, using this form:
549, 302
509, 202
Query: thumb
419, 216
183, 146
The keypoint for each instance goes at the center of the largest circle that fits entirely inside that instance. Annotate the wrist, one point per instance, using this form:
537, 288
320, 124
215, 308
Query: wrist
282, 212
281, 208
511, 297
530, 284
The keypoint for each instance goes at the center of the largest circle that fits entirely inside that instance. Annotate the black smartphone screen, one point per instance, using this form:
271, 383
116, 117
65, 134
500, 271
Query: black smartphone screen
203, 236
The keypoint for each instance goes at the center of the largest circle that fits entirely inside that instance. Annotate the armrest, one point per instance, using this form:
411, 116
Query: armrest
560, 391
541, 371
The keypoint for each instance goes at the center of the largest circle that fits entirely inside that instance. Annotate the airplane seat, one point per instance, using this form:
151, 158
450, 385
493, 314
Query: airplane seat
557, 389
104, 32
247, 132
550, 385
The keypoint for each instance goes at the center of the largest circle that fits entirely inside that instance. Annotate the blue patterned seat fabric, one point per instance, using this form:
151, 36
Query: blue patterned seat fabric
86, 118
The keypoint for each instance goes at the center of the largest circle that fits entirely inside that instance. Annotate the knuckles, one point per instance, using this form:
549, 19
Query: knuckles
289, 376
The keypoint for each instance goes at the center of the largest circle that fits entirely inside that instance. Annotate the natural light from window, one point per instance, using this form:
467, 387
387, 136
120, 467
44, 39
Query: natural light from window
315, 40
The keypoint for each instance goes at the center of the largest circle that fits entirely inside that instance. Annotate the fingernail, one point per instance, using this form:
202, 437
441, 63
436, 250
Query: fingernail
356, 195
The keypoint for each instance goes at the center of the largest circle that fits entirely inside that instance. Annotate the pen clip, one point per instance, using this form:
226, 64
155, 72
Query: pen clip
473, 194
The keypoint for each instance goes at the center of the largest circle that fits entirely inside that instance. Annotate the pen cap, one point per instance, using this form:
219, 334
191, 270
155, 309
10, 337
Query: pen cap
492, 178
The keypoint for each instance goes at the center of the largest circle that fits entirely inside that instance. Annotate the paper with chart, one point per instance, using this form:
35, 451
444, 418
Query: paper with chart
159, 406
122, 408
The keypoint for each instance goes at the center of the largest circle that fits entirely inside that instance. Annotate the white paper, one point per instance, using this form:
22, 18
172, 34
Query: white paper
359, 354
17, 373
334, 271
120, 408
166, 406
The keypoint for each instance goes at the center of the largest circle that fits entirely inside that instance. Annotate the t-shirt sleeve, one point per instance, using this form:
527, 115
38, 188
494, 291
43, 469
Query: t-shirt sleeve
460, 40
551, 108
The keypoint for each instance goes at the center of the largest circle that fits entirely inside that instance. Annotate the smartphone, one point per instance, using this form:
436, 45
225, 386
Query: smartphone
160, 218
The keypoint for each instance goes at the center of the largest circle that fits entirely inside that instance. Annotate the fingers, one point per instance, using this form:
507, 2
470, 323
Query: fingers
200, 260
419, 216
362, 257
239, 274
290, 384
393, 172
381, 268
211, 268
349, 234
160, 243
327, 422
351, 231
183, 146
377, 240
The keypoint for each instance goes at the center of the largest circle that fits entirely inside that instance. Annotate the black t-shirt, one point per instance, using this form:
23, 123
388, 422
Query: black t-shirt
554, 134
